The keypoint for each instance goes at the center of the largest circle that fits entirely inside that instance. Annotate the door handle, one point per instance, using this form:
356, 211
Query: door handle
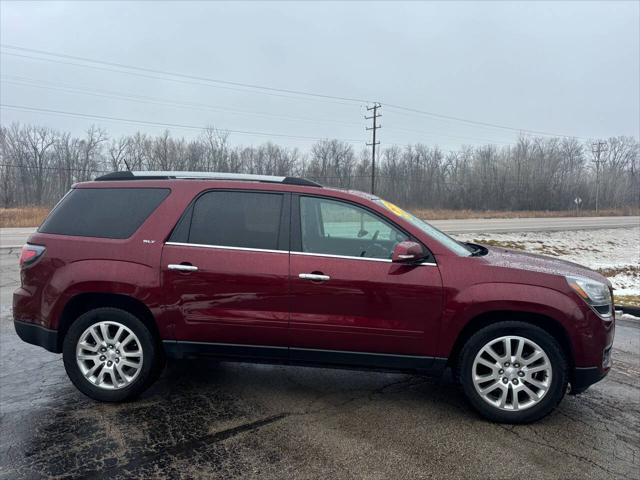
182, 268
315, 277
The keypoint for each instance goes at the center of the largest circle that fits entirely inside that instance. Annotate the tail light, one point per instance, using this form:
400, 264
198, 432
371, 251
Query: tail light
30, 254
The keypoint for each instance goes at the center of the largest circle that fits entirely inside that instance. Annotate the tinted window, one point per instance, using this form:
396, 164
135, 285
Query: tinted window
103, 212
237, 219
338, 228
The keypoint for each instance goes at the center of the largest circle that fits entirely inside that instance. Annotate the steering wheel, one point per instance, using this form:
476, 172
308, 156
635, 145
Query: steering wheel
376, 250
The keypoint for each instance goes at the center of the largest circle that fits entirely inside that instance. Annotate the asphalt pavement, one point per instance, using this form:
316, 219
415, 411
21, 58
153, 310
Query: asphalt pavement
13, 237
204, 419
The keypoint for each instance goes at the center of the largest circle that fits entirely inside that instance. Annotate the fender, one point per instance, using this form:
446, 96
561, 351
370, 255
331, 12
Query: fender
99, 276
484, 298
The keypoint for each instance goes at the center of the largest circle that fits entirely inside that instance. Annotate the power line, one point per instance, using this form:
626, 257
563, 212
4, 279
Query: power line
18, 80
183, 75
544, 182
176, 80
433, 134
264, 89
62, 169
162, 124
159, 101
475, 122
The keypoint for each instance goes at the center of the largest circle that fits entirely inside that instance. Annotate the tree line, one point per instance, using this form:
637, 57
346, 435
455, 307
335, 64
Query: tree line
39, 164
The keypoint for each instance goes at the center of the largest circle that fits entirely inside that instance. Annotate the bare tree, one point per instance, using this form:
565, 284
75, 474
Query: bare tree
38, 165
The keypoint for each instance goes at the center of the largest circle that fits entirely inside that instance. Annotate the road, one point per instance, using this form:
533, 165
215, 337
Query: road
223, 420
13, 237
498, 225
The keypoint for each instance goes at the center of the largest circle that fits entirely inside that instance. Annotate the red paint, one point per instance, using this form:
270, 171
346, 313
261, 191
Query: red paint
257, 298
406, 252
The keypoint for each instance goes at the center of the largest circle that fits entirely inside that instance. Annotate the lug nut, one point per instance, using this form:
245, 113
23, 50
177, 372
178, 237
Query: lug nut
118, 352
109, 363
103, 358
516, 365
515, 381
118, 360
521, 373
501, 371
111, 347
506, 364
103, 349
505, 380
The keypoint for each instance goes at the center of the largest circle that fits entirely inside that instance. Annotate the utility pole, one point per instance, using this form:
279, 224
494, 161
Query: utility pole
598, 148
373, 128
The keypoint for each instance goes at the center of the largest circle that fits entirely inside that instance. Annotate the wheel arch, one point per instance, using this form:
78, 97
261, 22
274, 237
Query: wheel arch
548, 324
84, 302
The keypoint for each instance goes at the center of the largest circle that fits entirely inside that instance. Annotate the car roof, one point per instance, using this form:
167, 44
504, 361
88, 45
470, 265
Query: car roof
200, 180
167, 175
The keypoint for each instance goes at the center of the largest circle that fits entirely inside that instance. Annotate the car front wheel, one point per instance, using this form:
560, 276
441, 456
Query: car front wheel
513, 372
110, 355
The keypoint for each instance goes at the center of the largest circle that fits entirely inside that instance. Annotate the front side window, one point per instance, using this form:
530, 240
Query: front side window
452, 244
237, 219
332, 227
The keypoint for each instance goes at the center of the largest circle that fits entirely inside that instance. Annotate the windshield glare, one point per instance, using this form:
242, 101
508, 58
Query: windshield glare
452, 244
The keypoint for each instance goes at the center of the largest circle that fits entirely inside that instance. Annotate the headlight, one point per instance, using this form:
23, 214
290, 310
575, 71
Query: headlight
596, 294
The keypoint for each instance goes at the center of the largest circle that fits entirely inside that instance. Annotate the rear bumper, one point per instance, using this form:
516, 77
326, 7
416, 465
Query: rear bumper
37, 335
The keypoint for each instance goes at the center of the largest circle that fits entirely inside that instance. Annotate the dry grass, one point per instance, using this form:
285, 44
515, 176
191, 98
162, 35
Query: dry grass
632, 270
513, 245
536, 246
444, 214
627, 300
33, 216
22, 217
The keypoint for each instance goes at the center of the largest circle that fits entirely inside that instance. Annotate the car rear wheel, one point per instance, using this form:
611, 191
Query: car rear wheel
110, 355
513, 372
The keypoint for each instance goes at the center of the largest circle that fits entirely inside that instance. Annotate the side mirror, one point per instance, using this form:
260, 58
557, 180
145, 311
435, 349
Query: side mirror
407, 252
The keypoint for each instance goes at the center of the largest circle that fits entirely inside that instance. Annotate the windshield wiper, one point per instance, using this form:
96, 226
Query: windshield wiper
478, 250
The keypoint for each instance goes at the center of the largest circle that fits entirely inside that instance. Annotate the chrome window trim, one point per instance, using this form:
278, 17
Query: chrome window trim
225, 247
348, 257
310, 254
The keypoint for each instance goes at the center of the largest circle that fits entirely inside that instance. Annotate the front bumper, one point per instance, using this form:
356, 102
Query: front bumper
37, 335
583, 378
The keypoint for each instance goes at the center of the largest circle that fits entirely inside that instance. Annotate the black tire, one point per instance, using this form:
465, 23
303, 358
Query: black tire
553, 350
151, 362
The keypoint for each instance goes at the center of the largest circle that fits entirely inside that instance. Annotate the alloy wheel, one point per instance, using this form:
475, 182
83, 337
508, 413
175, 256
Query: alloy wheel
109, 355
512, 373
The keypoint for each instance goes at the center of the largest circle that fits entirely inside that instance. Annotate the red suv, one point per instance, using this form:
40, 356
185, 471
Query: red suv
140, 266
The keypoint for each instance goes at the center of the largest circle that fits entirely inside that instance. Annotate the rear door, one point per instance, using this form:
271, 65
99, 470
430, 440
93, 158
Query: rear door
350, 303
225, 268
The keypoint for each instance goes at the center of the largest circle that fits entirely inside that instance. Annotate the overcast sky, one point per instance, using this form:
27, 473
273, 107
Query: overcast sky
568, 68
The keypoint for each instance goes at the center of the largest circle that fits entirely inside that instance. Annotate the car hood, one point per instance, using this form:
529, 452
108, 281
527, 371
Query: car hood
502, 257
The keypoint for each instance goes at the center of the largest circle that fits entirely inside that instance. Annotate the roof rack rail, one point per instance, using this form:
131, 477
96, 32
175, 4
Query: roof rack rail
160, 175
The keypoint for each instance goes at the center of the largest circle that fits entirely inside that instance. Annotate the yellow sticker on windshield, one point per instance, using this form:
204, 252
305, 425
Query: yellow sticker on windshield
395, 209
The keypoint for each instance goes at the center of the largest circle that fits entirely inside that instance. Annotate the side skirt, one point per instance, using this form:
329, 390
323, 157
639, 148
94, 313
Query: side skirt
307, 357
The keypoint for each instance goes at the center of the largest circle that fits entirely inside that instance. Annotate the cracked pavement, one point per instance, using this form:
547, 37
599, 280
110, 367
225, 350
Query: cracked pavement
205, 419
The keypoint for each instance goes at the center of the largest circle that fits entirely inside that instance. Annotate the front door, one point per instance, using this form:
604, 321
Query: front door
226, 269
350, 303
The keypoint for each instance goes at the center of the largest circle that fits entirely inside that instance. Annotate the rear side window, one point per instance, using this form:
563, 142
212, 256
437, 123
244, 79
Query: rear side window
237, 219
103, 212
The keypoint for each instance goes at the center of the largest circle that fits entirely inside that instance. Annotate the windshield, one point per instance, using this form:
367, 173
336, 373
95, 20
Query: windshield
452, 244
